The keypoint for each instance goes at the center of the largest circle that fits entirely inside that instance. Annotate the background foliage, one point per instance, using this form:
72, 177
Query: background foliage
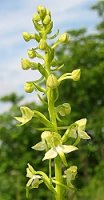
85, 51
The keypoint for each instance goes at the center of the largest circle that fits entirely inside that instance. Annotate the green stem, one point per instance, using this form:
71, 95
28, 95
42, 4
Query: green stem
58, 164
58, 178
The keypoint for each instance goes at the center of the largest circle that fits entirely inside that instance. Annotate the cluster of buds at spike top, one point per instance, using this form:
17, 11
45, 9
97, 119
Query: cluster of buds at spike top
42, 21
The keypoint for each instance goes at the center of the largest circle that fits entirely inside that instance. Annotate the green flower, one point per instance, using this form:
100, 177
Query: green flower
27, 115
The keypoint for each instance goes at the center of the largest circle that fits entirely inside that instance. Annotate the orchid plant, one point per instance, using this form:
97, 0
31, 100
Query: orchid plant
53, 141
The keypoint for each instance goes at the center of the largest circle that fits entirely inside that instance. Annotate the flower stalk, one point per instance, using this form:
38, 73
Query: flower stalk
52, 141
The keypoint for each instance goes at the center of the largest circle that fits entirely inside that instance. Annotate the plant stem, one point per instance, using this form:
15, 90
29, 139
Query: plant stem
58, 164
58, 177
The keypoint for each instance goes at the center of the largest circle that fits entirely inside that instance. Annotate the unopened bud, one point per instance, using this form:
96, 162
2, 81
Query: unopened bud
64, 38
41, 11
34, 65
76, 75
31, 53
64, 109
48, 12
46, 20
26, 36
36, 17
52, 81
29, 87
25, 64
42, 44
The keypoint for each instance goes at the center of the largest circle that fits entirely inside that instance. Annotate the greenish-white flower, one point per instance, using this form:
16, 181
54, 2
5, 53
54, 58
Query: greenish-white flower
34, 180
70, 174
78, 129
27, 115
59, 150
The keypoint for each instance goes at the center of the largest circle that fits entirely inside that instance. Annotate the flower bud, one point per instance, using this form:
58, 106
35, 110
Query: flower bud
25, 64
36, 17
64, 38
76, 75
29, 87
31, 53
46, 20
64, 109
42, 44
52, 81
41, 11
34, 65
26, 36
48, 12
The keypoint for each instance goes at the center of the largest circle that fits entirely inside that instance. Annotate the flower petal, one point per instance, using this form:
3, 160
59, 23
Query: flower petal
68, 148
52, 153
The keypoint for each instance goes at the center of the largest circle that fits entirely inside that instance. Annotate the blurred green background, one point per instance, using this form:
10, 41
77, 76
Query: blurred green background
84, 51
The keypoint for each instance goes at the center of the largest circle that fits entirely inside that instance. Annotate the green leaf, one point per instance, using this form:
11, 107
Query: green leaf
54, 36
27, 115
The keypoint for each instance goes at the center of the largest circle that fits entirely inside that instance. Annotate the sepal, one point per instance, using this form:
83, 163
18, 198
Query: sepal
27, 115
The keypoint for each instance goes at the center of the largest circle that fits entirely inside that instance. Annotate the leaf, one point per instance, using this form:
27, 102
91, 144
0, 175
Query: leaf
27, 115
52, 153
54, 36
41, 146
